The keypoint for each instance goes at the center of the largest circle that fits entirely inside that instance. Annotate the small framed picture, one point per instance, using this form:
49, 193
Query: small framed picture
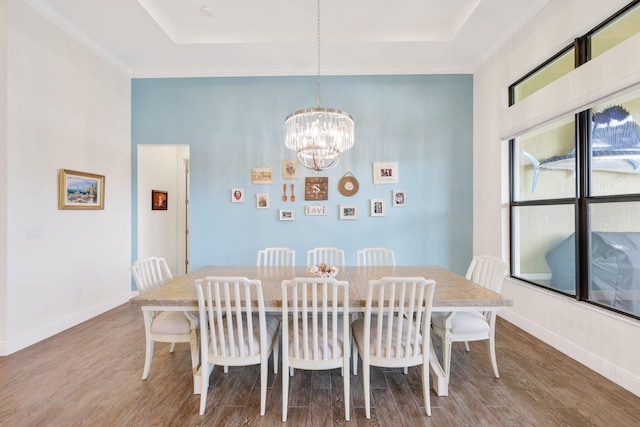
237, 195
261, 176
262, 200
377, 207
287, 214
289, 169
385, 173
80, 190
399, 198
159, 200
348, 212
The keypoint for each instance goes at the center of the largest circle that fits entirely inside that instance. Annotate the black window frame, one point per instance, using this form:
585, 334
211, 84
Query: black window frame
583, 199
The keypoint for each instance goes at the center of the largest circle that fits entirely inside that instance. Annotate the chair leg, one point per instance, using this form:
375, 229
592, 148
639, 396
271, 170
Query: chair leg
354, 356
492, 352
346, 379
264, 371
205, 371
173, 347
367, 392
466, 346
285, 389
276, 353
425, 388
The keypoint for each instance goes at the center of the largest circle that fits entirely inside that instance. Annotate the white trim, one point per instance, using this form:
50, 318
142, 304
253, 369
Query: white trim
54, 16
47, 331
602, 366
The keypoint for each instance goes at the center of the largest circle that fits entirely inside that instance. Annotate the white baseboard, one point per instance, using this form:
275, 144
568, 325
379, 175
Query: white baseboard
49, 330
603, 367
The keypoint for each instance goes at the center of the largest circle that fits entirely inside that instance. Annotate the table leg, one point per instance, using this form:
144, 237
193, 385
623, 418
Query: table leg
148, 319
440, 385
195, 350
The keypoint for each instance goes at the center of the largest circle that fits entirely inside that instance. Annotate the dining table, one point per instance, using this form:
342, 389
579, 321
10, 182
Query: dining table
452, 293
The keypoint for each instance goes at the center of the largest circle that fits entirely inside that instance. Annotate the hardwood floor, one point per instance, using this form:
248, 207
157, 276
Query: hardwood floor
90, 376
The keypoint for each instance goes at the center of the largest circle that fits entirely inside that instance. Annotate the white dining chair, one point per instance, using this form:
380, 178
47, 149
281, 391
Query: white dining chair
276, 257
376, 257
316, 335
394, 332
234, 330
163, 326
468, 326
326, 255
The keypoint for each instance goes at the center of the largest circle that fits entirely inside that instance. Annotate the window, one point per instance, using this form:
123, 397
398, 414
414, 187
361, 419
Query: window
615, 31
547, 73
550, 148
575, 190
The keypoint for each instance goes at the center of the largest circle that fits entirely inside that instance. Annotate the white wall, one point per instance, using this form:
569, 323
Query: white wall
604, 341
161, 233
66, 108
3, 168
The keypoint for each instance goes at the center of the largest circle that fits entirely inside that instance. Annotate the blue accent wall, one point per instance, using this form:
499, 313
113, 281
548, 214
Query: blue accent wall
423, 122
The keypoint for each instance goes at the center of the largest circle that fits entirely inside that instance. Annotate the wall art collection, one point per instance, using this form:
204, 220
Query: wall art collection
316, 189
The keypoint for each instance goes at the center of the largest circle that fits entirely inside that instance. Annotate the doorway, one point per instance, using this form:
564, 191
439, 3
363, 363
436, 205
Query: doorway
164, 232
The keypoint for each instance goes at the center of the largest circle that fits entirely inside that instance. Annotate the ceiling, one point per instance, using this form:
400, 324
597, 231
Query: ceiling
184, 38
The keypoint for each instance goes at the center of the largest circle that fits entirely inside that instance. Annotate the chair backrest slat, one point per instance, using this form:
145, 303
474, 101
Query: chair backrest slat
401, 307
487, 271
149, 273
276, 257
375, 257
315, 306
227, 306
326, 255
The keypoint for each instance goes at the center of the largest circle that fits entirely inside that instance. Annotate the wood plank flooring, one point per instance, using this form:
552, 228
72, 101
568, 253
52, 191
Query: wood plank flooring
90, 376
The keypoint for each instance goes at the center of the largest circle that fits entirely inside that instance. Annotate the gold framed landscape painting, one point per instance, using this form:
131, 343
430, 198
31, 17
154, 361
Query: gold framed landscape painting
80, 190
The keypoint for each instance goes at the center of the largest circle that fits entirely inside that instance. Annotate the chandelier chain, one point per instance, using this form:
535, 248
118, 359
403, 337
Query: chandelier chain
318, 135
318, 78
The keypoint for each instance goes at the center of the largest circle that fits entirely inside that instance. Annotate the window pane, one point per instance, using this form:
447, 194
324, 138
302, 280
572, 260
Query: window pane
544, 76
615, 146
615, 255
542, 251
616, 32
544, 162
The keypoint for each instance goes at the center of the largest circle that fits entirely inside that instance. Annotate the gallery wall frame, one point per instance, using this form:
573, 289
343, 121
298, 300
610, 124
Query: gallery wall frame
377, 207
385, 173
237, 195
262, 175
399, 198
348, 212
262, 201
287, 215
159, 200
289, 169
80, 190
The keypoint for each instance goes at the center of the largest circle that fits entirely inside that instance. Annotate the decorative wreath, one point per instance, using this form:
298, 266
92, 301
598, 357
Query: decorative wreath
348, 185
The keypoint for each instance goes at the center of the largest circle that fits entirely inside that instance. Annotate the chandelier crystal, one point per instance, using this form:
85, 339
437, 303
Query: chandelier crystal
318, 135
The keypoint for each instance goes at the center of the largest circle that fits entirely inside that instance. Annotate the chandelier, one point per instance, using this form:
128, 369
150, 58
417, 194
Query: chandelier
318, 135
